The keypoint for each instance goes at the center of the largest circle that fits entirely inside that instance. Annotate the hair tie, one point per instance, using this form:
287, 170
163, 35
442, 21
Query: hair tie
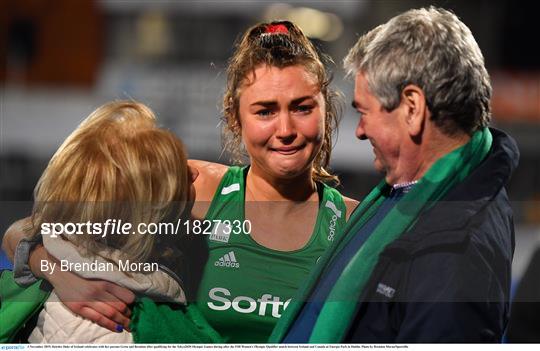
277, 29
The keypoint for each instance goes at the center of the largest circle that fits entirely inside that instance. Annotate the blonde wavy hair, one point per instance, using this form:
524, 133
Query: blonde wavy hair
119, 165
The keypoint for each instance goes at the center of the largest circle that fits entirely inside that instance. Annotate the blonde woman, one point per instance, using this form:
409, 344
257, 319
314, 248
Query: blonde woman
116, 165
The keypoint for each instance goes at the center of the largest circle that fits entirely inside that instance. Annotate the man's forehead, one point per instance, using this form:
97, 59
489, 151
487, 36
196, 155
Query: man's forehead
359, 90
360, 80
361, 86
363, 97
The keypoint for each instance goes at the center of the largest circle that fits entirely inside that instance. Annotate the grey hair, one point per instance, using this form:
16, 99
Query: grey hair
433, 49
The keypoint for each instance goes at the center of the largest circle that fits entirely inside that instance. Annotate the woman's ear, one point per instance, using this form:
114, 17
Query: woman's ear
415, 102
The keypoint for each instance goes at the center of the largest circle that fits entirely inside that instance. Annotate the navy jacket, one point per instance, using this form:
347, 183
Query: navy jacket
448, 278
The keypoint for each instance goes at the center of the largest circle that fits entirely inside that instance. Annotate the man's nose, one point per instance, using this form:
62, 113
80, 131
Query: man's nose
360, 131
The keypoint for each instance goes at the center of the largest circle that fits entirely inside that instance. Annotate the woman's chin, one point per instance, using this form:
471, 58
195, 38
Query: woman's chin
290, 170
284, 167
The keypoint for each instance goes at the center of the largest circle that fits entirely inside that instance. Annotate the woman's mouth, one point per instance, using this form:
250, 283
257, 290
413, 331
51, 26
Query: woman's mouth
287, 150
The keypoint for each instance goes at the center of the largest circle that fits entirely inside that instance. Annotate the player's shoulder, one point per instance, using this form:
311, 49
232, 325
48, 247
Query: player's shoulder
350, 204
210, 175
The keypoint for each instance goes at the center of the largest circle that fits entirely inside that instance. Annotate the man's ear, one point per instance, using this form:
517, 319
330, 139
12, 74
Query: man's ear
415, 104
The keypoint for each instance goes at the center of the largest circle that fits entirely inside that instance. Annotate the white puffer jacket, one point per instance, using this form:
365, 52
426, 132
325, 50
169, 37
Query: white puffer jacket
58, 325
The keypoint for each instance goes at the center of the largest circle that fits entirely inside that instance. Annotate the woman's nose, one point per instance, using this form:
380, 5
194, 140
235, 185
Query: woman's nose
285, 128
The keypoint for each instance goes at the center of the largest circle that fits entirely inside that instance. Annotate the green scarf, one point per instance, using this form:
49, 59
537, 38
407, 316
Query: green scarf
340, 306
151, 322
18, 305
164, 323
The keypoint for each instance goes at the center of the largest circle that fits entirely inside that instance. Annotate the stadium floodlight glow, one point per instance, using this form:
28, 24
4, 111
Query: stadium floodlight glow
314, 23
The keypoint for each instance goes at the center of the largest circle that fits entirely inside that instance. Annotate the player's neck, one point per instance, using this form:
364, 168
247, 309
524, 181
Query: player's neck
262, 187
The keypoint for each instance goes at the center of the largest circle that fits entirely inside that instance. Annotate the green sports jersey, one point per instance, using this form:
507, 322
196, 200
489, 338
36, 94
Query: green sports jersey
246, 286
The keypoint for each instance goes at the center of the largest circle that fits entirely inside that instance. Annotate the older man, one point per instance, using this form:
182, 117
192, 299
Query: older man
427, 255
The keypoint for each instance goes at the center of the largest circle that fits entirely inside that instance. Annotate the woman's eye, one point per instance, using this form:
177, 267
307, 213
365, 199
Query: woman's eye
305, 109
264, 113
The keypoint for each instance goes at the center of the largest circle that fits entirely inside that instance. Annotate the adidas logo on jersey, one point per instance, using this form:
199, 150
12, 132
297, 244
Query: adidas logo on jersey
227, 260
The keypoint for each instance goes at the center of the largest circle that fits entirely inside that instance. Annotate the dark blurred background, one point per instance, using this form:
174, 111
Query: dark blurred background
61, 59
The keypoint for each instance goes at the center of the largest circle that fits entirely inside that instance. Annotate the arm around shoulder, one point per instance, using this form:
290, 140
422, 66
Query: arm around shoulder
24, 251
13, 235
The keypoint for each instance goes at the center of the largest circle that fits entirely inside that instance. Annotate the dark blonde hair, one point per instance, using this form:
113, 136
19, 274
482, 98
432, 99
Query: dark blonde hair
279, 44
117, 164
